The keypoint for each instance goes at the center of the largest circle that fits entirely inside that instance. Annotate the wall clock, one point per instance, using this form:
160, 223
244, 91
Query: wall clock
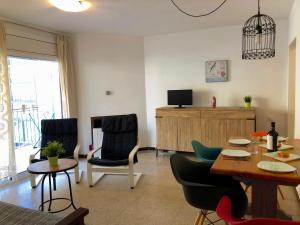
216, 71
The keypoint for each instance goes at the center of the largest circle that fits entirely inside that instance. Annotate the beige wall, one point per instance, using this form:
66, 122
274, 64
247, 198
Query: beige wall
177, 61
294, 33
109, 63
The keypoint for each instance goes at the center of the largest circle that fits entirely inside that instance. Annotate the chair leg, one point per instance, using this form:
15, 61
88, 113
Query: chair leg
90, 174
247, 187
131, 176
32, 181
280, 192
204, 213
77, 175
198, 218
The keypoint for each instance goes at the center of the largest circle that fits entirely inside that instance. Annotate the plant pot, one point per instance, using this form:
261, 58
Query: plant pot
247, 104
53, 161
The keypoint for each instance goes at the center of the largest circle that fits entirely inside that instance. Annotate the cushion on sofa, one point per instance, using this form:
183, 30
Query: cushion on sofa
15, 215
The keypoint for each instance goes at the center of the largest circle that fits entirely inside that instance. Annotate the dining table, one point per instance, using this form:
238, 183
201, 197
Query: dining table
264, 183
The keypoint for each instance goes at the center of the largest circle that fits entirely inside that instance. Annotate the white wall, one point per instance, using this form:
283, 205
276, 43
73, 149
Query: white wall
113, 63
177, 61
294, 33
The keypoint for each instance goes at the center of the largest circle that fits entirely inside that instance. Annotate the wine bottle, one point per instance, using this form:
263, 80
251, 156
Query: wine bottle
272, 138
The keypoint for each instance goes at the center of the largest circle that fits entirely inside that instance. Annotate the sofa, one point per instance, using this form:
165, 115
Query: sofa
12, 214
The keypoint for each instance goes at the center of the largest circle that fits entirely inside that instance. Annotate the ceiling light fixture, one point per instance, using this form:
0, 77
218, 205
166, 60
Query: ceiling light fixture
200, 15
259, 37
71, 5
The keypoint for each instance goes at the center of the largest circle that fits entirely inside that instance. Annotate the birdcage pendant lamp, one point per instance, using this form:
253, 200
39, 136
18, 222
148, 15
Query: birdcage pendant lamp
259, 34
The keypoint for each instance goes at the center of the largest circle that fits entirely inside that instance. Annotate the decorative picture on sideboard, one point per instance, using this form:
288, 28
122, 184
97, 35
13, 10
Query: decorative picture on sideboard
216, 71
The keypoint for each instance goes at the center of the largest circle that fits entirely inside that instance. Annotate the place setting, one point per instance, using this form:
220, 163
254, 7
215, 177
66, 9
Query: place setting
235, 154
239, 141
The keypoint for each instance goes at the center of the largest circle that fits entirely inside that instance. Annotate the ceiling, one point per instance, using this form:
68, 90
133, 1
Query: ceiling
139, 17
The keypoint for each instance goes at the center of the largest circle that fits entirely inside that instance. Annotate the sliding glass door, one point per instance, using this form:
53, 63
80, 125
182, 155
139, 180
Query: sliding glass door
35, 95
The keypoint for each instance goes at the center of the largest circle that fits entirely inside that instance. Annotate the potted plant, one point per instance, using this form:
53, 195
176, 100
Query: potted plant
52, 151
247, 101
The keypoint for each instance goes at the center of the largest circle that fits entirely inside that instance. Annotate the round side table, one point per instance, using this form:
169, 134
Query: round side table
43, 168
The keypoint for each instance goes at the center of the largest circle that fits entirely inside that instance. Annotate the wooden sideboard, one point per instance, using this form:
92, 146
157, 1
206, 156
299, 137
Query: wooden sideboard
177, 127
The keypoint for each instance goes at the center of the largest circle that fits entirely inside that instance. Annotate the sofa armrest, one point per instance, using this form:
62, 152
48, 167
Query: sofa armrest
75, 218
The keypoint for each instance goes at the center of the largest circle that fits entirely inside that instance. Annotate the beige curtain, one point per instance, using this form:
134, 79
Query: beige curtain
67, 78
7, 153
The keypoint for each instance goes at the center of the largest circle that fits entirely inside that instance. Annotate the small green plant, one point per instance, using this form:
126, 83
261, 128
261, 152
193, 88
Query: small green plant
52, 149
248, 99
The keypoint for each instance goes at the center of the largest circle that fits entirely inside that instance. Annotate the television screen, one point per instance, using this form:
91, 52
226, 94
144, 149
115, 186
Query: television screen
180, 97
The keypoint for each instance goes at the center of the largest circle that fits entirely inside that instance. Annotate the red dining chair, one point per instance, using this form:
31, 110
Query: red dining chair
224, 212
259, 134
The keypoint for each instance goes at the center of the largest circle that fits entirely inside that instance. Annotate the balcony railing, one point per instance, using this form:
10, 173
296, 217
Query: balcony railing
26, 121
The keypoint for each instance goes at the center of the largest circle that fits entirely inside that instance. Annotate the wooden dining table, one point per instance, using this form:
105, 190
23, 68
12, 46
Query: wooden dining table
264, 183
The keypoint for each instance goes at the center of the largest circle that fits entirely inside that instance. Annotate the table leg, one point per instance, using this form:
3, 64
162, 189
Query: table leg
70, 189
54, 181
264, 199
42, 192
50, 193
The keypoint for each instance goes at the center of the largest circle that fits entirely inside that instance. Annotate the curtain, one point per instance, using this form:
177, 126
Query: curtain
7, 153
67, 78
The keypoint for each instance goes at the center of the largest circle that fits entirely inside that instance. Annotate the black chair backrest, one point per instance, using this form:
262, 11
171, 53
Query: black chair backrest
187, 171
61, 130
203, 189
120, 135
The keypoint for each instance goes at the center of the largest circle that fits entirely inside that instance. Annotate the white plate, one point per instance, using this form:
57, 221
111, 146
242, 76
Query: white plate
280, 139
235, 153
278, 167
239, 141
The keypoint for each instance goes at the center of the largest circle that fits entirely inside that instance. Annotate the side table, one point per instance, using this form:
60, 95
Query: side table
43, 168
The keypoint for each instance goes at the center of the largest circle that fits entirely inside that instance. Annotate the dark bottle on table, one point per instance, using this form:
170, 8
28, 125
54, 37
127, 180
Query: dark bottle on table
272, 138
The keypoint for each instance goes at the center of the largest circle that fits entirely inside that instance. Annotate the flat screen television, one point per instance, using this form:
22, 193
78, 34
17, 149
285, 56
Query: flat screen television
180, 97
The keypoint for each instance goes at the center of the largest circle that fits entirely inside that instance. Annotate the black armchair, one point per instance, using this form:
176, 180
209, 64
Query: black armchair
204, 190
119, 149
61, 130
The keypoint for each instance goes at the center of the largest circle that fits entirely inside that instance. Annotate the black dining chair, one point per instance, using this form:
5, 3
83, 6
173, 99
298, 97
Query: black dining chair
204, 190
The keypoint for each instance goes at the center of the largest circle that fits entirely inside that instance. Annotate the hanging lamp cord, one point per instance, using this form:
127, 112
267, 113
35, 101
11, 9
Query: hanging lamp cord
201, 15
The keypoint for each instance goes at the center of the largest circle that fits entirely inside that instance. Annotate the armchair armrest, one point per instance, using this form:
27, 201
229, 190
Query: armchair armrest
133, 152
91, 153
32, 156
76, 152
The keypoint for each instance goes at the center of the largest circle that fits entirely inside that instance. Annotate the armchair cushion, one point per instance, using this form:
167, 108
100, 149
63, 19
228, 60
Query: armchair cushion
119, 124
62, 130
119, 138
105, 162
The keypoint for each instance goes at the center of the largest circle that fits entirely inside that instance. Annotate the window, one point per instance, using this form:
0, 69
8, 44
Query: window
35, 95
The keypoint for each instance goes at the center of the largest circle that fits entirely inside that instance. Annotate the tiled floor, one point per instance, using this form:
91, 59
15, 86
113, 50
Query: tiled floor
156, 200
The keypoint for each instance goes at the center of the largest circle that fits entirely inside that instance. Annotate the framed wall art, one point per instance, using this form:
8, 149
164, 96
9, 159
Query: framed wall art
216, 71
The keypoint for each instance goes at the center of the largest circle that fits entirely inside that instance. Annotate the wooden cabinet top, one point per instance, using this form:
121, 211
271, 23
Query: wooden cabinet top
207, 109
208, 112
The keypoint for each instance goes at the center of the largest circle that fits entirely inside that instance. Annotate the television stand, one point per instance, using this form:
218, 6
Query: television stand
179, 107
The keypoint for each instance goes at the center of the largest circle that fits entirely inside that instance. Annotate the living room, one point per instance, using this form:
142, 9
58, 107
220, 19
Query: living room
123, 58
